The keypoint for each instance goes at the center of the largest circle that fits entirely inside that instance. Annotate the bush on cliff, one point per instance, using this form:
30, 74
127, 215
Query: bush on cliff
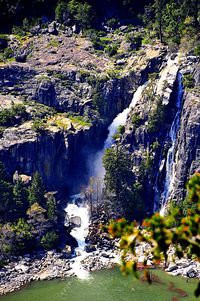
49, 240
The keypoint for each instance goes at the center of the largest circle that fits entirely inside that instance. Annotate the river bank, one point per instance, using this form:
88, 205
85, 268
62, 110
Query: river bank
49, 265
54, 265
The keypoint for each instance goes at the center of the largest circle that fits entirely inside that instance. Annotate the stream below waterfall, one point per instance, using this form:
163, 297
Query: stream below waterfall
107, 285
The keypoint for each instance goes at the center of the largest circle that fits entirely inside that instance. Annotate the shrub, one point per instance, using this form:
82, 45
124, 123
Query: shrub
197, 50
111, 49
38, 125
188, 81
156, 118
112, 23
49, 240
8, 116
136, 120
121, 129
134, 39
155, 145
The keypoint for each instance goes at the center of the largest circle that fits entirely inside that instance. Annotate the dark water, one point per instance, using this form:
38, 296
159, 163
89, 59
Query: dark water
107, 285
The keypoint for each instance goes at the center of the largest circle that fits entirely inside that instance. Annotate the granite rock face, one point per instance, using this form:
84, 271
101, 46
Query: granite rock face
187, 159
58, 156
61, 156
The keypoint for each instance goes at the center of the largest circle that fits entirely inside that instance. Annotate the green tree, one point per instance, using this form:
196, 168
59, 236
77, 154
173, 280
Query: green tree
162, 232
51, 207
172, 23
124, 198
49, 240
36, 191
159, 8
20, 198
6, 196
23, 237
81, 13
61, 11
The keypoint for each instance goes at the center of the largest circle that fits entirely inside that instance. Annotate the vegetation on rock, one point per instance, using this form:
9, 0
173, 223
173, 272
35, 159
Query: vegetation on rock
163, 231
27, 218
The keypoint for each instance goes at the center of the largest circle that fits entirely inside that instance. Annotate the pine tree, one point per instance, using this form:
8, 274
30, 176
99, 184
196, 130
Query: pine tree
6, 196
20, 197
36, 191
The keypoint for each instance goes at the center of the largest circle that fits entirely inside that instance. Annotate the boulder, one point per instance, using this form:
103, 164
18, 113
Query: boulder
75, 221
35, 30
21, 267
90, 248
52, 28
172, 266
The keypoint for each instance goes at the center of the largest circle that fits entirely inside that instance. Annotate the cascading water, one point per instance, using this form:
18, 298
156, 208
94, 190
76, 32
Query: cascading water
98, 169
170, 162
80, 214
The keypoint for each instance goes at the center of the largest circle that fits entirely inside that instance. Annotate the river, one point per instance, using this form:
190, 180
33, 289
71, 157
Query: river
108, 285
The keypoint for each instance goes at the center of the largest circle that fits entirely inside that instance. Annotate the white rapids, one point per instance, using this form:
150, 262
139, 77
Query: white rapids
79, 233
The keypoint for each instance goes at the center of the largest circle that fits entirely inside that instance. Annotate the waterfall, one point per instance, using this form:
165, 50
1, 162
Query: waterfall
170, 162
80, 212
97, 167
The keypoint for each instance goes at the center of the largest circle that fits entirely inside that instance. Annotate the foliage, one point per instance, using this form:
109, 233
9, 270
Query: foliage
188, 81
6, 54
15, 238
156, 118
111, 49
81, 120
61, 11
8, 117
197, 50
6, 204
25, 216
36, 190
155, 145
134, 39
51, 207
20, 198
49, 240
161, 233
123, 194
53, 43
136, 120
38, 125
112, 23
97, 98
81, 13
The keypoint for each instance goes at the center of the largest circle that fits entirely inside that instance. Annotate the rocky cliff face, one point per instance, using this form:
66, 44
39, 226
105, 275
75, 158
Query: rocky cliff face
148, 135
187, 159
55, 79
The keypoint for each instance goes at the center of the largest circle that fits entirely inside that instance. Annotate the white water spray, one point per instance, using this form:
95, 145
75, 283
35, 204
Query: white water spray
79, 232
82, 212
98, 169
170, 163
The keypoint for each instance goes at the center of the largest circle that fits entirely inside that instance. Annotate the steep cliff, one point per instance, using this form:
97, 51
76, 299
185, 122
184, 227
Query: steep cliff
64, 73
162, 135
187, 159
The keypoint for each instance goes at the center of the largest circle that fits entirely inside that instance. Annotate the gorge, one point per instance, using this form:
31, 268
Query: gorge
95, 124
